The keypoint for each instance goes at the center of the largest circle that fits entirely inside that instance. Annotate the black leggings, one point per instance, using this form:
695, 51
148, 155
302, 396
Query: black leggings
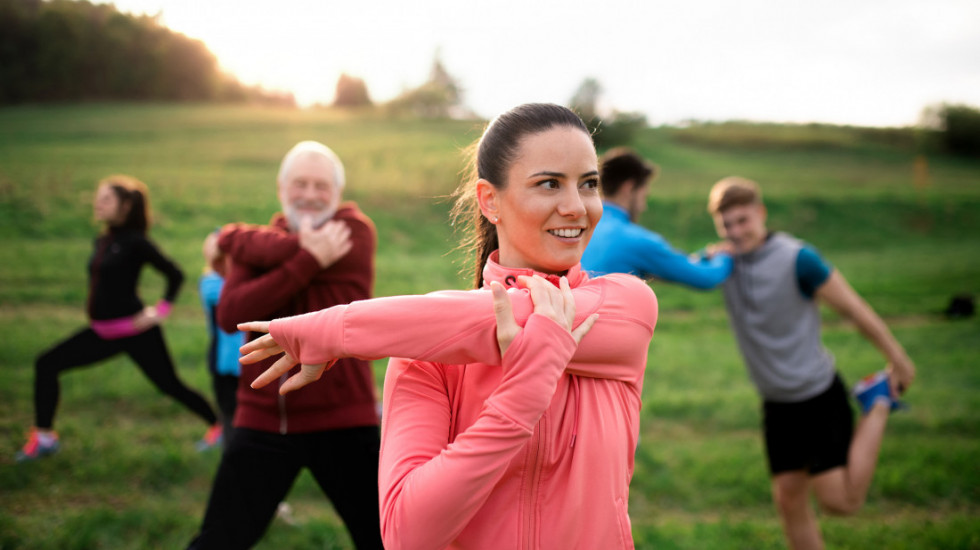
84, 348
226, 393
258, 469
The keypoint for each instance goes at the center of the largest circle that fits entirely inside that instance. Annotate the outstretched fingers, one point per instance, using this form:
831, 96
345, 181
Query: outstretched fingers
259, 349
264, 347
279, 368
255, 326
307, 374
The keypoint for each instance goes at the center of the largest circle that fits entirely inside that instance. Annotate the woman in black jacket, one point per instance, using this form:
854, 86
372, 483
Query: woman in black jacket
118, 320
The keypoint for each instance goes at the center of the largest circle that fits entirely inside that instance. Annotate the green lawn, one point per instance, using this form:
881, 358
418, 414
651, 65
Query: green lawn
128, 475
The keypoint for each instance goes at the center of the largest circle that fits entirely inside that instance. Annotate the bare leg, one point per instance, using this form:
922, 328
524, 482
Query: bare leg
842, 491
790, 492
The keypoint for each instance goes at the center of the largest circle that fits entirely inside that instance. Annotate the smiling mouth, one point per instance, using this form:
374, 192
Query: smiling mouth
567, 233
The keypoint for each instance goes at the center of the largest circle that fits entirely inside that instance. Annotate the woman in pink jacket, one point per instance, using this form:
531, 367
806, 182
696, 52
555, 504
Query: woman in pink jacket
510, 416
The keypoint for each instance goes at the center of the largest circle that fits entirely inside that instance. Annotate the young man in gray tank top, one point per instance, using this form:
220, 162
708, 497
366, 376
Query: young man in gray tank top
772, 300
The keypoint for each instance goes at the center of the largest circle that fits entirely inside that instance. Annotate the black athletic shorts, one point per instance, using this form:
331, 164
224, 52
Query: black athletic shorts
813, 435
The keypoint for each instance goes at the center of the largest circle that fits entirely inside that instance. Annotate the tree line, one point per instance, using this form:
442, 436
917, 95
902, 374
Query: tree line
66, 50
63, 50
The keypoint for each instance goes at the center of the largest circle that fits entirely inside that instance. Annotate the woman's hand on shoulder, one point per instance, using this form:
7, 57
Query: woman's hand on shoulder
555, 303
507, 327
558, 304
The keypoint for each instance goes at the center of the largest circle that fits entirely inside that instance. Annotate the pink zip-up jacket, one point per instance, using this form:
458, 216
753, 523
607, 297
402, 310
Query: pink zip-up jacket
536, 452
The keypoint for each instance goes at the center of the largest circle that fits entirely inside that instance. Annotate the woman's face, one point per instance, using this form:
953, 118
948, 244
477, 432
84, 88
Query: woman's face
550, 204
107, 207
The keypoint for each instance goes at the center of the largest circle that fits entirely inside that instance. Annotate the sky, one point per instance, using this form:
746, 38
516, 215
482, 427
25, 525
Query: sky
857, 62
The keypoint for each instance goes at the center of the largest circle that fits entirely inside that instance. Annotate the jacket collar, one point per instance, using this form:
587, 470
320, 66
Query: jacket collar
507, 276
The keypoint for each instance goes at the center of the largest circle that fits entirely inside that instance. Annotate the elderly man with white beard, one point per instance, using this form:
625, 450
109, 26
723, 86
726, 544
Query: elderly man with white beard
318, 252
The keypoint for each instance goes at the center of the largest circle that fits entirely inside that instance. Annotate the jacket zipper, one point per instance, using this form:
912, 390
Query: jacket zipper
96, 271
573, 382
531, 491
283, 421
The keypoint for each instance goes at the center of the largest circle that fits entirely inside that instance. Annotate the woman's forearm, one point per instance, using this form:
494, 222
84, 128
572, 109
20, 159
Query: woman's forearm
458, 327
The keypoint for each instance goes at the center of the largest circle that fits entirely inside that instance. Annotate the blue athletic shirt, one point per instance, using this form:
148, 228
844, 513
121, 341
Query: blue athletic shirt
811, 270
620, 246
223, 351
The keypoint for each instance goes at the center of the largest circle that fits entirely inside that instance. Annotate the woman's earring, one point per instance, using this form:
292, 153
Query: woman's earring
495, 220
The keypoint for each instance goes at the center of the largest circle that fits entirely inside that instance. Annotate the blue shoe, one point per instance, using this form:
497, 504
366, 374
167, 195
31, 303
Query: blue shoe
872, 389
38, 446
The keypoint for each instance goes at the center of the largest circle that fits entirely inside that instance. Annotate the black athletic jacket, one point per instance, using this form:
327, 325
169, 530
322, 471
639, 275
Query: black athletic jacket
114, 271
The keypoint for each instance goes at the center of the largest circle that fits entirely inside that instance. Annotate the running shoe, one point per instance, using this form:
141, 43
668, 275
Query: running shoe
38, 446
212, 438
872, 389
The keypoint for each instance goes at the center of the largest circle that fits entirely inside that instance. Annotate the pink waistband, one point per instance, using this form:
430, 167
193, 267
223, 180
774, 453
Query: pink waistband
113, 329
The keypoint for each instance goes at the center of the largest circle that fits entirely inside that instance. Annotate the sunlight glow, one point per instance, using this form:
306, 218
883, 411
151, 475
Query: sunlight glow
872, 63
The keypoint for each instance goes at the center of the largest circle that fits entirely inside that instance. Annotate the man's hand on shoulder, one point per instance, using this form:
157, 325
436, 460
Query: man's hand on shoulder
258, 246
723, 247
328, 243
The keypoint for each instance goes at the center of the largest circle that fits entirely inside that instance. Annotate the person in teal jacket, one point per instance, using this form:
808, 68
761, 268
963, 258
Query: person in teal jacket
621, 245
223, 346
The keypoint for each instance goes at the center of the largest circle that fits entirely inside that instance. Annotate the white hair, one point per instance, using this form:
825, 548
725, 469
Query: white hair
313, 148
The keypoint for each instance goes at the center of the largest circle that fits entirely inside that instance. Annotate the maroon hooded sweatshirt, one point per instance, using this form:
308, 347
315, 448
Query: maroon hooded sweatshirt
270, 276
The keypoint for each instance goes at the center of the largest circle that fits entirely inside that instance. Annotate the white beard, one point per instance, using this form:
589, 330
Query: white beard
320, 218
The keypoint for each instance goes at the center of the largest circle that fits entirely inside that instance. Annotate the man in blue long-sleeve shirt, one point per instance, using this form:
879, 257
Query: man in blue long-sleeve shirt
620, 245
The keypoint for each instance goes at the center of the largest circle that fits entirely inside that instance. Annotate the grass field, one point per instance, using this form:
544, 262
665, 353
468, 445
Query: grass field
128, 475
